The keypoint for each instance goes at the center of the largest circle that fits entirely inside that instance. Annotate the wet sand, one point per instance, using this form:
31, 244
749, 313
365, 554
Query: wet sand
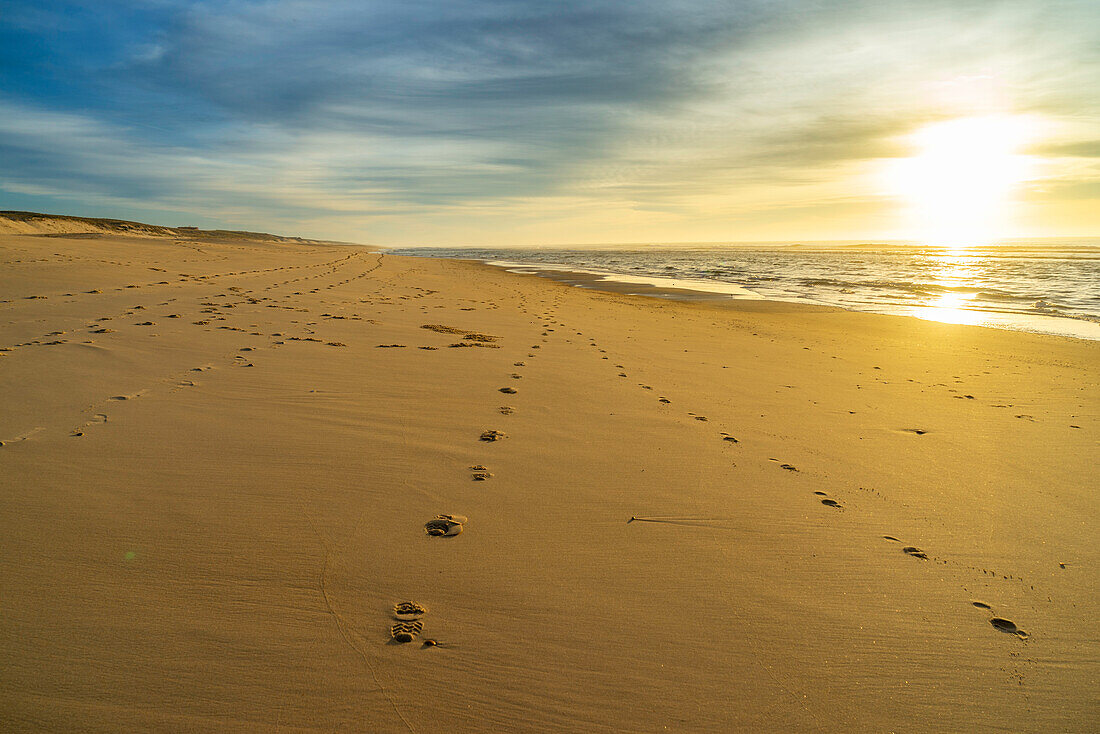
223, 462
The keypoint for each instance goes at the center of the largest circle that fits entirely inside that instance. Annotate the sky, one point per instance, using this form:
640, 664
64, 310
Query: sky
516, 122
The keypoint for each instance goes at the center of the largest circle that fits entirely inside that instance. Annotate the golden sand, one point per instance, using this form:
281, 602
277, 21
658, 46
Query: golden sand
220, 457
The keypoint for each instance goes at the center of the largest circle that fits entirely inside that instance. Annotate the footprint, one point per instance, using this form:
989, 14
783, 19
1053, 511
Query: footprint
131, 396
22, 437
404, 611
506, 410
406, 631
666, 401
832, 503
981, 605
1007, 625
508, 390
480, 473
915, 552
492, 435
445, 525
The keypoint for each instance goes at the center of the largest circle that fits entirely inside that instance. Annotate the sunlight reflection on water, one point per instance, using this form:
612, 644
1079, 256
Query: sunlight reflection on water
1047, 287
955, 306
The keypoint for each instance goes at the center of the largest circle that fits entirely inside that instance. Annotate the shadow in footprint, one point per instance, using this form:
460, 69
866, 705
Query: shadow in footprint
402, 632
1009, 627
445, 525
912, 550
131, 396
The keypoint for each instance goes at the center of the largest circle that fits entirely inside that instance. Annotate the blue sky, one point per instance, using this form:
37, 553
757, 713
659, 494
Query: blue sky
516, 122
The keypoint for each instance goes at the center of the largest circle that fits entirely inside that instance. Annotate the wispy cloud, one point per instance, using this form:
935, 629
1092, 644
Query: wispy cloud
403, 120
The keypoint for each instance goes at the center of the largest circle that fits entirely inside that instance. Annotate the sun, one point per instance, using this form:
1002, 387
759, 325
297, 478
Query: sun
960, 182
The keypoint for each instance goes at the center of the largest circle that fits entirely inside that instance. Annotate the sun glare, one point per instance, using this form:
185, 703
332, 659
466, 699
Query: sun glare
960, 182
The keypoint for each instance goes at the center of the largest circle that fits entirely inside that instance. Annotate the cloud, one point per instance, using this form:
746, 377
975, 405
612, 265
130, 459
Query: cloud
352, 111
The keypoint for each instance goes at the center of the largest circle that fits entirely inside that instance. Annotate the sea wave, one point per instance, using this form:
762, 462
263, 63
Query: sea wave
1017, 283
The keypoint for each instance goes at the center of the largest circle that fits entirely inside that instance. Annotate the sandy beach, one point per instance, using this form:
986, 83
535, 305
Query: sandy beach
221, 457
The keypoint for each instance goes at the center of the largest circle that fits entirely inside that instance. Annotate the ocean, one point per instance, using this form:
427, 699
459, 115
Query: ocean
1045, 286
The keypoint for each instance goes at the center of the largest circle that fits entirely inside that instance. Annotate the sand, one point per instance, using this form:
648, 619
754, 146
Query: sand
221, 458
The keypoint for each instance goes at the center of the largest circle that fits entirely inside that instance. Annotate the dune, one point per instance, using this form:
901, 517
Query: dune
227, 509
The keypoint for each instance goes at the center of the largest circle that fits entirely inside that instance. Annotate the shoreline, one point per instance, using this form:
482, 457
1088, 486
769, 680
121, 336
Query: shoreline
721, 291
221, 470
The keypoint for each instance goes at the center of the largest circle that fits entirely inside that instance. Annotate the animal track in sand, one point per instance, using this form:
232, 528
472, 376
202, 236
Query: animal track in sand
492, 435
981, 605
480, 473
508, 390
832, 503
388, 346
912, 550
506, 410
